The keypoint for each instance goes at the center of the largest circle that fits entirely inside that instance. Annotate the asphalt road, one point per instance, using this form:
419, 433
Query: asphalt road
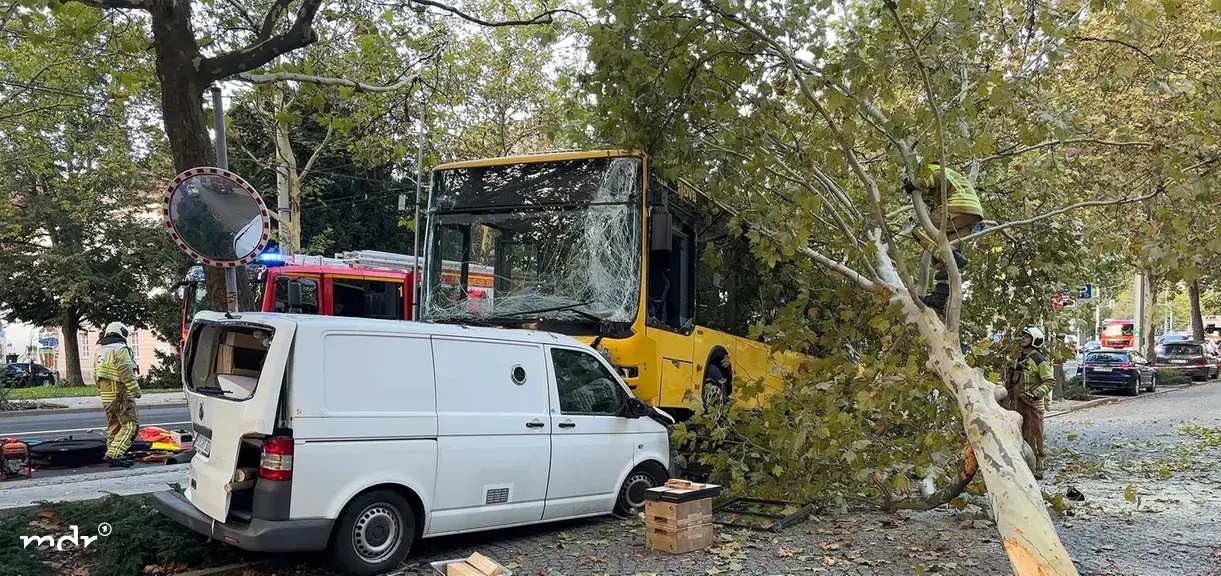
1148, 467
47, 426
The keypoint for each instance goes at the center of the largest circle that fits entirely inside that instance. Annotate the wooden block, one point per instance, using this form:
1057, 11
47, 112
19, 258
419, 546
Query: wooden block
680, 540
678, 515
461, 569
485, 565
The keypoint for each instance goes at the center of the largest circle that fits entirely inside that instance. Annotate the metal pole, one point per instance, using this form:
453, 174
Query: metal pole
222, 162
419, 178
1097, 313
218, 120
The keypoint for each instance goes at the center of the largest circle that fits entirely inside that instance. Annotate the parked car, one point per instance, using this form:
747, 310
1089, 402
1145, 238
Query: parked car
1190, 358
17, 375
1123, 370
358, 436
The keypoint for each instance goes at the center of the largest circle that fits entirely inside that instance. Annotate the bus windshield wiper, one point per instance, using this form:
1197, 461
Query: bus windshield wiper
574, 308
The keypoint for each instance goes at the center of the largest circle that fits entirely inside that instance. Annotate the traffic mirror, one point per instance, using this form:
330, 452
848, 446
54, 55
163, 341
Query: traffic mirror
216, 217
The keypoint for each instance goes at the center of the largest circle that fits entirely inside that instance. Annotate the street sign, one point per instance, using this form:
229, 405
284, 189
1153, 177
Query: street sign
216, 217
1086, 292
49, 342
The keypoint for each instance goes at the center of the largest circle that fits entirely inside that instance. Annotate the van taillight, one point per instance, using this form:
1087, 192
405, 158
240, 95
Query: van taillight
277, 461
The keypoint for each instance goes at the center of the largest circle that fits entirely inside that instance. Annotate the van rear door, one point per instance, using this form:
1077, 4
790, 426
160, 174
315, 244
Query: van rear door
234, 369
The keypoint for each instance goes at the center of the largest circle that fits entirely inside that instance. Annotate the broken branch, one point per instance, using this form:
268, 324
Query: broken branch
124, 4
1053, 213
1053, 143
544, 17
277, 77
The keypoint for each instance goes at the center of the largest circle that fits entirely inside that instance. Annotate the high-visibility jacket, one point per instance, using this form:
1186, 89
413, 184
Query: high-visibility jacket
115, 369
1032, 374
962, 200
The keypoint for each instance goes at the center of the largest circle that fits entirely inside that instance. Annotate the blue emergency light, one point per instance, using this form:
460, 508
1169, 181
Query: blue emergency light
272, 256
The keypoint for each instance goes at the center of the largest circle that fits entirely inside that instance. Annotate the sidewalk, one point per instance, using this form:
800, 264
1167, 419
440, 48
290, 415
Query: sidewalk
17, 494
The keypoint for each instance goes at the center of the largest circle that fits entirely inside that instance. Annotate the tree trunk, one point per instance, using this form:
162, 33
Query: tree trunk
186, 128
1028, 535
1149, 315
1197, 318
70, 326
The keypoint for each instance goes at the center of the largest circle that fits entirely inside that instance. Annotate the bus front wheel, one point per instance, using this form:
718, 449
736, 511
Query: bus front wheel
716, 388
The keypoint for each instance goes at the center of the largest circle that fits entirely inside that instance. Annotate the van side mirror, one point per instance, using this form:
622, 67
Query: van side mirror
636, 408
660, 224
294, 296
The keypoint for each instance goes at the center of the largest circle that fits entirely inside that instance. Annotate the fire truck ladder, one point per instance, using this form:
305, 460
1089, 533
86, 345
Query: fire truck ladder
377, 260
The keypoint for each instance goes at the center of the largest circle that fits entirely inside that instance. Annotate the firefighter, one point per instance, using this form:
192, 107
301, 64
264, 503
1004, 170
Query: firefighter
1029, 386
962, 212
115, 374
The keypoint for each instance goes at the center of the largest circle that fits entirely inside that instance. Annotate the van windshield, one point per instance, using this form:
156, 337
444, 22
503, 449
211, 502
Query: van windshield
1118, 330
226, 360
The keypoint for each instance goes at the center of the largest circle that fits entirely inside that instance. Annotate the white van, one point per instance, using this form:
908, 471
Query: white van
359, 436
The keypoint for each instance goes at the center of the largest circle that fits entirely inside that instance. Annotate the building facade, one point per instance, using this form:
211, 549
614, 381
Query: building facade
143, 343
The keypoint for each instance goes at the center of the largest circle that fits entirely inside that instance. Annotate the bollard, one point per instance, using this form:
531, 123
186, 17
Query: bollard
1057, 371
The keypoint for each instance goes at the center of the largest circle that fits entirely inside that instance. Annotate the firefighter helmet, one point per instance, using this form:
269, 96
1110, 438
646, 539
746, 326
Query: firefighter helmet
1036, 336
116, 329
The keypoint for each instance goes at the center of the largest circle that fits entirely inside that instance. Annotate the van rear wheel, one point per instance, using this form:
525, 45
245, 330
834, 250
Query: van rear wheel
631, 493
373, 534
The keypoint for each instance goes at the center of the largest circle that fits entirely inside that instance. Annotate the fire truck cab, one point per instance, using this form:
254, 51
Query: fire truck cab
362, 284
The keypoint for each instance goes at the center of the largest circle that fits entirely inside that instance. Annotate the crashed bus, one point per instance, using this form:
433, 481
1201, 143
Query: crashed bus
597, 245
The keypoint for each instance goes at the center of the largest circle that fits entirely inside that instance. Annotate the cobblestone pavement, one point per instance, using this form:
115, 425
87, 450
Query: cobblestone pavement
1170, 527
869, 544
1148, 468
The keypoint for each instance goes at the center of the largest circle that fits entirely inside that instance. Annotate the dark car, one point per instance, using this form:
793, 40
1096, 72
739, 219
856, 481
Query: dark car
1123, 370
18, 376
1190, 358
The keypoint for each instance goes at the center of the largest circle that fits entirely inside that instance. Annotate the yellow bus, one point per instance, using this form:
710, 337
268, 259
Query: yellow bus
596, 245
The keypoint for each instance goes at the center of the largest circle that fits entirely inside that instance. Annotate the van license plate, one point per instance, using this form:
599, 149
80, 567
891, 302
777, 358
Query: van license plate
203, 445
1102, 369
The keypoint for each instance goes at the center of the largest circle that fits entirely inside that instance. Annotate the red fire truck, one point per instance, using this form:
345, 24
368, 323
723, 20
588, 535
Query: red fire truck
365, 284
1118, 334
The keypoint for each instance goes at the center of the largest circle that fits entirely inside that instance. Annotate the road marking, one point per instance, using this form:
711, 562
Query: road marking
102, 428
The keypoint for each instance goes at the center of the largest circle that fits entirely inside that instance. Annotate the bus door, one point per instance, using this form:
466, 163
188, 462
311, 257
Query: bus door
670, 318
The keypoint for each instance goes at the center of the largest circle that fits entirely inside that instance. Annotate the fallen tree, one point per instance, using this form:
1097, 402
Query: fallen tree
807, 120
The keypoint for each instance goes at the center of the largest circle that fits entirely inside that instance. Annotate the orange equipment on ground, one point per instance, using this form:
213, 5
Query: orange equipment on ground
14, 459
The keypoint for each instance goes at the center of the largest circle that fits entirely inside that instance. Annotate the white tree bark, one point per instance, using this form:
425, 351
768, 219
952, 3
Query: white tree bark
1028, 535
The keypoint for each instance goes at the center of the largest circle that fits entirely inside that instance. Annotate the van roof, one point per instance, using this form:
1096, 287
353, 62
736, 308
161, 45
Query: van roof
306, 321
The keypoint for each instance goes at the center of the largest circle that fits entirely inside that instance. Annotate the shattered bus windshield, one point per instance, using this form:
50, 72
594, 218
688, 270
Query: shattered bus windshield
563, 239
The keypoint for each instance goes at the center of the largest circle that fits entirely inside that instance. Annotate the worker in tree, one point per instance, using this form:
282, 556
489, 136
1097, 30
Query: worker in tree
1029, 385
960, 214
115, 374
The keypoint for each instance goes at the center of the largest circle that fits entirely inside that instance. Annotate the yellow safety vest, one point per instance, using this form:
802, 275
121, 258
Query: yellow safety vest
114, 368
962, 200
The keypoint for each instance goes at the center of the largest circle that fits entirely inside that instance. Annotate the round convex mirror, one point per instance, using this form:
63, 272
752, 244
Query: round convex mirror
216, 217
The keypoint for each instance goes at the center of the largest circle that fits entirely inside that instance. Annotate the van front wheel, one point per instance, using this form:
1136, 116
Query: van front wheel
631, 493
373, 534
